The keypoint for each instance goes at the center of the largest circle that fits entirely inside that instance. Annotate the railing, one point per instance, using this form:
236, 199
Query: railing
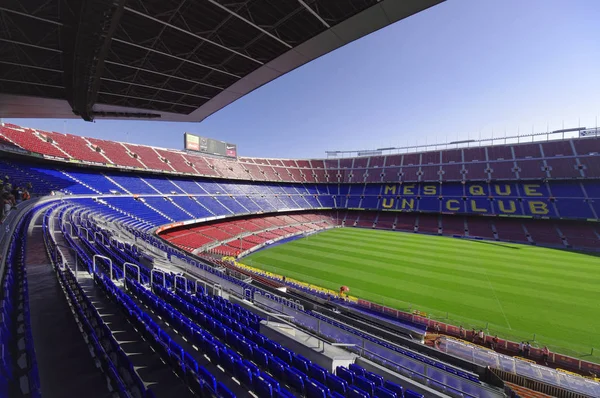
521, 370
409, 367
468, 143
539, 386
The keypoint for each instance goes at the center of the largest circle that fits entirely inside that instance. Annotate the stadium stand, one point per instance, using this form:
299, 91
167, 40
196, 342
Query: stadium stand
149, 240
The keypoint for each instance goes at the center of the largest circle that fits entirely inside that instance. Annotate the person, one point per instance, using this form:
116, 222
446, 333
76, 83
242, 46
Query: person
545, 354
473, 335
481, 337
461, 332
437, 328
521, 347
494, 343
527, 349
26, 195
7, 204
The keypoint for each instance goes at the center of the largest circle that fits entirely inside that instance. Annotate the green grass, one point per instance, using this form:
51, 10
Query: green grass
517, 291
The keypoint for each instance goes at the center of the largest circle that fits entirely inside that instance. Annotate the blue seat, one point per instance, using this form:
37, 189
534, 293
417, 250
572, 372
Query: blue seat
176, 348
412, 394
247, 349
318, 373
272, 346
213, 352
337, 383
314, 389
227, 361
277, 368
397, 388
263, 388
365, 384
191, 362
300, 363
295, 379
354, 392
274, 383
253, 368
283, 393
224, 392
356, 369
261, 358
207, 377
345, 374
375, 378
381, 392
243, 373
285, 355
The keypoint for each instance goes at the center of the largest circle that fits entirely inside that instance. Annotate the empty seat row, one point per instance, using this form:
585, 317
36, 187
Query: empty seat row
532, 160
18, 365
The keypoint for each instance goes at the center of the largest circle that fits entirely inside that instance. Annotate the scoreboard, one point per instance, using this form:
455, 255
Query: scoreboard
196, 143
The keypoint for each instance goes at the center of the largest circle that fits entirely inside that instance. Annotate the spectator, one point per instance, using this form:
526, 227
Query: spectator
521, 348
481, 337
6, 204
437, 328
461, 332
26, 195
494, 343
14, 191
527, 349
474, 335
545, 354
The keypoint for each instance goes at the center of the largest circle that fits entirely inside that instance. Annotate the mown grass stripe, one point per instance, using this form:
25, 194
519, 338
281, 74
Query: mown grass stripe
552, 293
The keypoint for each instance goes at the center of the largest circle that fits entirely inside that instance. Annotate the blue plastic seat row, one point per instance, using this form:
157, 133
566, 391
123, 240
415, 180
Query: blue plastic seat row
200, 380
297, 372
16, 340
372, 385
220, 343
224, 329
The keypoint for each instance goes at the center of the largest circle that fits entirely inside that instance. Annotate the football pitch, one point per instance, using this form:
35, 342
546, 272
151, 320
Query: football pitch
545, 296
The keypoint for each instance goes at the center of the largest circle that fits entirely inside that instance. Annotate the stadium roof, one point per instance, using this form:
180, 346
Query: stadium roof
176, 60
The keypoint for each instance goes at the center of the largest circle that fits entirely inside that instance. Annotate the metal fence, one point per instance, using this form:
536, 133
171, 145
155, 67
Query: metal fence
485, 357
417, 370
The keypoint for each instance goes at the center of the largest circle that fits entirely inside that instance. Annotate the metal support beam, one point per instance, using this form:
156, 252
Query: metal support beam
227, 10
31, 66
313, 12
30, 83
176, 57
193, 35
164, 74
30, 16
146, 99
20, 43
154, 88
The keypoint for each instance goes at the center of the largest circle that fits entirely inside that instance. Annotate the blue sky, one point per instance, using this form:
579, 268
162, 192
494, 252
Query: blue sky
462, 69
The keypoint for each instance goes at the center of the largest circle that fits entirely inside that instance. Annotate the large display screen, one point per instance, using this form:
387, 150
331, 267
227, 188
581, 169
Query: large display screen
196, 143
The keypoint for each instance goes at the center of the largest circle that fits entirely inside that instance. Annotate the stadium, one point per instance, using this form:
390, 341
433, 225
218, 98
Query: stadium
462, 269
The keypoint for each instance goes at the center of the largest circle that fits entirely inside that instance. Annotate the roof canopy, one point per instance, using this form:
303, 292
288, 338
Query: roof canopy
176, 60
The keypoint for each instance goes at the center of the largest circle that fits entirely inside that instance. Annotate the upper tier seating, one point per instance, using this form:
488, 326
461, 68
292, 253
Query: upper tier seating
560, 159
